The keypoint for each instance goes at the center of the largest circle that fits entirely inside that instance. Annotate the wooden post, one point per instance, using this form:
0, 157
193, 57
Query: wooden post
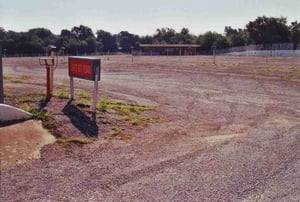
180, 57
1, 78
131, 54
50, 76
48, 92
214, 54
95, 93
72, 87
63, 50
107, 55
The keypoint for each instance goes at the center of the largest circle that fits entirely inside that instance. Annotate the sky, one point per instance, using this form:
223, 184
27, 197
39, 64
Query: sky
141, 17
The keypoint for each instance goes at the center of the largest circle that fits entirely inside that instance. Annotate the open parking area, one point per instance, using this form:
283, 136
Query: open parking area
228, 131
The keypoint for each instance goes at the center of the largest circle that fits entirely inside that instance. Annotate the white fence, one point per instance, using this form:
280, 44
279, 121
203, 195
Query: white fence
276, 50
271, 53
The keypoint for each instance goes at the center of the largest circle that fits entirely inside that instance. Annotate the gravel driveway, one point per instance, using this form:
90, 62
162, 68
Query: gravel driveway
228, 132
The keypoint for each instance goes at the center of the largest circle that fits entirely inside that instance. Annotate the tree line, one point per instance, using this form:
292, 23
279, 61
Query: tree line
81, 39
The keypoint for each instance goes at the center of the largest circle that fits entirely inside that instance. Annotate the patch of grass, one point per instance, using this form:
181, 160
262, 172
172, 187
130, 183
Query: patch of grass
206, 63
287, 78
84, 95
42, 94
139, 120
37, 113
62, 93
268, 71
102, 105
127, 112
17, 81
125, 136
8, 95
26, 99
43, 99
6, 77
84, 99
105, 105
76, 140
43, 115
50, 125
134, 120
115, 131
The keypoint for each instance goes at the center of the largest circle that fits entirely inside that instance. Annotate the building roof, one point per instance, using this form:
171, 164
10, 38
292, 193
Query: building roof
169, 45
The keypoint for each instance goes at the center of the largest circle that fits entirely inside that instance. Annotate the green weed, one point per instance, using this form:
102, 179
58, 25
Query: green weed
127, 112
105, 105
134, 120
84, 95
43, 115
38, 114
268, 71
115, 131
26, 99
6, 77
287, 78
8, 95
62, 94
17, 81
77, 140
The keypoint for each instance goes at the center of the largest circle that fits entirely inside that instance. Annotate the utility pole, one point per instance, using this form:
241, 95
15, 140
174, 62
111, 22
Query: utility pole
1, 78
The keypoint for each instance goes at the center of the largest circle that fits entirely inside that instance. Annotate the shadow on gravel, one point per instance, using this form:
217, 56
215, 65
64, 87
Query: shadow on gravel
85, 124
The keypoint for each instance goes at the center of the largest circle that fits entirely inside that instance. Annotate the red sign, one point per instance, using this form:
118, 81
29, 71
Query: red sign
84, 68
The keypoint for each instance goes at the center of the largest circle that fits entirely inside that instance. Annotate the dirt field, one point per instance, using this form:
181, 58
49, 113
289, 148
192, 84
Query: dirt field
224, 132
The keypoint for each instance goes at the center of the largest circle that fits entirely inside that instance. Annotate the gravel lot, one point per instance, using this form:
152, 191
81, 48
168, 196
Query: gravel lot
226, 132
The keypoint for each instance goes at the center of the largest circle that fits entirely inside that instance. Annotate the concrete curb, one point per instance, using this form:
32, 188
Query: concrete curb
9, 113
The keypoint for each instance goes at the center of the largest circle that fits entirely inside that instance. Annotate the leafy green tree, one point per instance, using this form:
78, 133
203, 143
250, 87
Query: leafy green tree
38, 39
127, 41
83, 39
236, 37
34, 44
268, 30
295, 33
10, 42
146, 39
74, 46
45, 35
2, 34
63, 41
166, 36
210, 39
82, 32
2, 40
107, 40
184, 36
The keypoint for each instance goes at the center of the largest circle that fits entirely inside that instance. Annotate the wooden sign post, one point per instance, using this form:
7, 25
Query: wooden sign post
87, 68
48, 62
